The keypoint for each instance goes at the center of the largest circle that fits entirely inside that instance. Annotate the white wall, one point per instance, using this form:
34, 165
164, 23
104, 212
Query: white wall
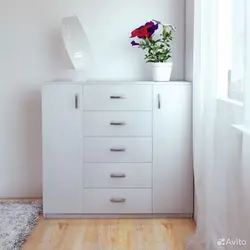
31, 52
189, 49
189, 40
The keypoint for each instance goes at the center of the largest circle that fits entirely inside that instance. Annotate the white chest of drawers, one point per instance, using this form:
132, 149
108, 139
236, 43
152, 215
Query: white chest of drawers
117, 149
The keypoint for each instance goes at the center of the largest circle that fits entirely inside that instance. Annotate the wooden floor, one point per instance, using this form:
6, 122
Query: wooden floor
109, 234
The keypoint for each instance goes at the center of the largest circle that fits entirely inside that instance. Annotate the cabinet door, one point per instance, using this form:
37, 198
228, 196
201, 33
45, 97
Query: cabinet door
62, 148
172, 150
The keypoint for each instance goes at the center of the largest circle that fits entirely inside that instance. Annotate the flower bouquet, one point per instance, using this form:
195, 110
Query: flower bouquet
158, 48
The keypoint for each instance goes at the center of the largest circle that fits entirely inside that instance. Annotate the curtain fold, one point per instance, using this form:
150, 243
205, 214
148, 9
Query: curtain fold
245, 176
220, 153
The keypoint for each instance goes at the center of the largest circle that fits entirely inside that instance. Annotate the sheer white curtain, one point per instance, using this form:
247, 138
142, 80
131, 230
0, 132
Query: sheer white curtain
221, 154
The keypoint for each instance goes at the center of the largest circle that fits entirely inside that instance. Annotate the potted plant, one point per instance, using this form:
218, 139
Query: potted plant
158, 48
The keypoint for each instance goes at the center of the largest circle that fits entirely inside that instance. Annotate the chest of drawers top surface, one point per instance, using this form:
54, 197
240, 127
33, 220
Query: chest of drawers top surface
112, 83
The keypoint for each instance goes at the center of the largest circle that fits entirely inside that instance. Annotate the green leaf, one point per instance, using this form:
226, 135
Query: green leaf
164, 32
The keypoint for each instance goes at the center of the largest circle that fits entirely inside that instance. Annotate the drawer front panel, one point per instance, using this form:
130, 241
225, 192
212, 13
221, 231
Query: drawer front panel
117, 123
117, 175
130, 97
117, 150
116, 201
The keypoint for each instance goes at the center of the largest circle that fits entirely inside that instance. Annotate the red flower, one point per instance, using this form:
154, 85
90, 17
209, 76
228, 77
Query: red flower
143, 31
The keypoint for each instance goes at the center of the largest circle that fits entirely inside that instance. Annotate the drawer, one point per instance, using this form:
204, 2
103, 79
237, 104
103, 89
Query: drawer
117, 201
117, 175
117, 149
117, 123
129, 97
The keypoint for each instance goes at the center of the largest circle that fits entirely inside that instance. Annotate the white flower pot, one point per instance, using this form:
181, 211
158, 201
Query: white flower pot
161, 72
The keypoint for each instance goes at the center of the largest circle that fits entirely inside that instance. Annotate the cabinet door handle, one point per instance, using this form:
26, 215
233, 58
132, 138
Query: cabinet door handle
117, 150
117, 123
117, 97
76, 102
117, 200
118, 175
159, 101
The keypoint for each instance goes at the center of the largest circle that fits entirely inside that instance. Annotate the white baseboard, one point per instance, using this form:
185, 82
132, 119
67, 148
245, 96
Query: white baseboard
116, 216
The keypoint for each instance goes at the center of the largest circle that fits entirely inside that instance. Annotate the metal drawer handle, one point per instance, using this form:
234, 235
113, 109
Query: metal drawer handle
159, 101
76, 102
117, 175
117, 150
117, 200
117, 97
117, 123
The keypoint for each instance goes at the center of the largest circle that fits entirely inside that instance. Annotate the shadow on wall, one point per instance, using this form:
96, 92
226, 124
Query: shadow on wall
32, 143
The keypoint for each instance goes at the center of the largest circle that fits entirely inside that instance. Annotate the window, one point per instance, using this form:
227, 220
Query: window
231, 48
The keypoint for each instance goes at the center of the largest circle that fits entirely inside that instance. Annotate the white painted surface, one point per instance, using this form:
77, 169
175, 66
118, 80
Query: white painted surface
117, 123
135, 149
189, 41
125, 175
243, 129
172, 150
116, 83
62, 150
76, 42
98, 157
118, 216
136, 201
32, 52
161, 72
132, 97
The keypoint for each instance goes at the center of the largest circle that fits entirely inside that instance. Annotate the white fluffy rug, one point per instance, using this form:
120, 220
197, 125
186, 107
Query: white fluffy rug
17, 219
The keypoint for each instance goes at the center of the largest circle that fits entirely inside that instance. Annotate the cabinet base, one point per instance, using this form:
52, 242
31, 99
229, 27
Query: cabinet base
116, 216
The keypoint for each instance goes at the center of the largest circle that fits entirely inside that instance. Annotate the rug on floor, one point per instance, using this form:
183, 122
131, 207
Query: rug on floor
17, 219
